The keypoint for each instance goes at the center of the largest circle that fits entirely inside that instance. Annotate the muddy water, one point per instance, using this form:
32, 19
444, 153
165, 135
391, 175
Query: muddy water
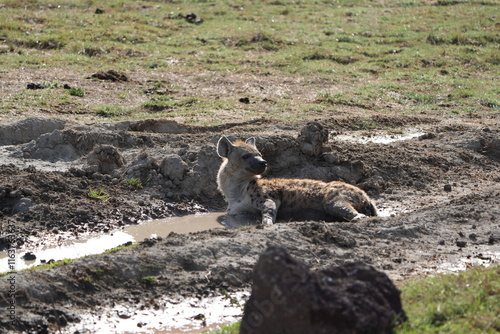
72, 249
190, 315
378, 138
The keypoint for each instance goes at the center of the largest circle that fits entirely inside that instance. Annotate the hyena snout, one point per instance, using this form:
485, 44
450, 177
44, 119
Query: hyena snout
256, 165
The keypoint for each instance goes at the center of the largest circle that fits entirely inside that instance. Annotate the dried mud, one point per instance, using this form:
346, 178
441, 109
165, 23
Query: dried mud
439, 194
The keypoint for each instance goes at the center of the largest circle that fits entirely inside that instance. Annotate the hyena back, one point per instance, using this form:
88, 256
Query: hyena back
239, 179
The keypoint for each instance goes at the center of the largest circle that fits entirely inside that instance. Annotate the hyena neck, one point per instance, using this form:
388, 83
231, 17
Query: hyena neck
233, 182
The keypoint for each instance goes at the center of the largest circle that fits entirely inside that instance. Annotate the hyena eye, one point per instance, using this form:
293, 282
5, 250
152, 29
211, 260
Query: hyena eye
246, 156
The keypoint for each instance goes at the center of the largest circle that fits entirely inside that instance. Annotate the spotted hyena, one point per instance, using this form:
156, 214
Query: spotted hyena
239, 179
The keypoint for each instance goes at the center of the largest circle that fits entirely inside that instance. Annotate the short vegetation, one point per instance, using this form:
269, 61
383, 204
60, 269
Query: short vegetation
385, 56
98, 194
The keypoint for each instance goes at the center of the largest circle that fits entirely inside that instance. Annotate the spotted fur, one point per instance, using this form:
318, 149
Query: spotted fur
239, 180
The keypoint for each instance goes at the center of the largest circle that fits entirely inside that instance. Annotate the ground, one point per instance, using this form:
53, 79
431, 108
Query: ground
438, 193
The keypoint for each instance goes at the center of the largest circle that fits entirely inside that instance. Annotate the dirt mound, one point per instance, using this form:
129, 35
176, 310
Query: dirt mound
28, 129
110, 75
351, 298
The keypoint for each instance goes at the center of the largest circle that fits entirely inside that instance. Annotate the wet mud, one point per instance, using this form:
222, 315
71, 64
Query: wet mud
436, 184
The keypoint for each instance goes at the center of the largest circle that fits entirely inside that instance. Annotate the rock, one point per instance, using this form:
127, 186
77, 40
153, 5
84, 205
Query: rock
34, 86
447, 187
331, 158
289, 298
107, 158
22, 205
461, 244
27, 192
490, 145
192, 18
428, 135
312, 137
494, 238
173, 168
29, 256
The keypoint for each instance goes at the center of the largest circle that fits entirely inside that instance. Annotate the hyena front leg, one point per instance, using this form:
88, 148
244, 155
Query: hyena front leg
269, 211
343, 210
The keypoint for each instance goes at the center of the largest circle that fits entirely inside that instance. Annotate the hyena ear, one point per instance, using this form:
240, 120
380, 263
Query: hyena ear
224, 147
251, 141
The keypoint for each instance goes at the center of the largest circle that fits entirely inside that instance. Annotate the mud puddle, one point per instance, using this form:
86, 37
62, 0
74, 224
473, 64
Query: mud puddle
378, 137
76, 248
190, 315
483, 256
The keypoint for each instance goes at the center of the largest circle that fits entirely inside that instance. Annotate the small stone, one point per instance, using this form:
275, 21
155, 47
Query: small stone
441, 242
15, 194
27, 192
307, 149
461, 244
447, 187
62, 320
331, 158
23, 205
29, 256
52, 319
35, 85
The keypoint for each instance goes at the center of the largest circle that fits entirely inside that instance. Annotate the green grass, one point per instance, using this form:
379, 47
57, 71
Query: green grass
468, 302
120, 247
465, 302
149, 280
42, 266
113, 111
98, 194
227, 329
68, 261
419, 56
76, 92
134, 183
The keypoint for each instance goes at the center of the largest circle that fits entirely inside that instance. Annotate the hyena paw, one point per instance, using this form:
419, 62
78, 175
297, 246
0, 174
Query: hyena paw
359, 216
267, 221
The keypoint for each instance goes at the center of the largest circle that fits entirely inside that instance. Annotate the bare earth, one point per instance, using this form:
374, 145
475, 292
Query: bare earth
439, 194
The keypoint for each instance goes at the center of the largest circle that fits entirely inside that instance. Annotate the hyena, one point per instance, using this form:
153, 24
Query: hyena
239, 180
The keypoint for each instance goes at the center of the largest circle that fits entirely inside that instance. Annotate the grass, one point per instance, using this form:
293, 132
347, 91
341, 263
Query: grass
120, 247
417, 57
468, 302
98, 194
48, 265
76, 92
135, 183
465, 302
149, 280
65, 261
227, 329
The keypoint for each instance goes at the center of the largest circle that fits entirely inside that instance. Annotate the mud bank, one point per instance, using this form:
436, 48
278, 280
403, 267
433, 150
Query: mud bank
441, 189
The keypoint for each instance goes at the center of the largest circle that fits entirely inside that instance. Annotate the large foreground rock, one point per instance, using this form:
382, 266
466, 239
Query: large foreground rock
289, 298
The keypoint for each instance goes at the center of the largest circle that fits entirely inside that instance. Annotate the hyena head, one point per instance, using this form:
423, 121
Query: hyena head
242, 155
